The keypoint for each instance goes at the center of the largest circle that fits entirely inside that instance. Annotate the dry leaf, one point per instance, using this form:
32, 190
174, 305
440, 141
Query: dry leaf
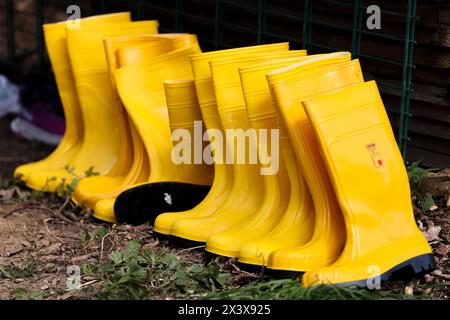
442, 275
443, 250
428, 278
433, 207
432, 233
14, 250
409, 291
7, 194
54, 248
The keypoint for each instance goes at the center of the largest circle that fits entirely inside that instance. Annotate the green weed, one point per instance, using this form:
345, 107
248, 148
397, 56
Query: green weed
90, 172
416, 174
65, 189
142, 273
16, 272
24, 294
95, 236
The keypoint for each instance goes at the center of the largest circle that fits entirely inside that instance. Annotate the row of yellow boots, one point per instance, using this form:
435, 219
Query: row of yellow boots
338, 207
108, 71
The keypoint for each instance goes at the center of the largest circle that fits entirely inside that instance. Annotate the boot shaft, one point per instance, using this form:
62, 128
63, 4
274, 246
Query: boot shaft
184, 112
227, 85
203, 81
371, 184
56, 38
86, 48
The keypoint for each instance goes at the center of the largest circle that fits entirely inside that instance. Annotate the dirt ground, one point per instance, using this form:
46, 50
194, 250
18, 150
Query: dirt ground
41, 237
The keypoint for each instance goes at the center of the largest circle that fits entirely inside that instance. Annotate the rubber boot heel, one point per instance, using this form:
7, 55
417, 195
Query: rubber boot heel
412, 268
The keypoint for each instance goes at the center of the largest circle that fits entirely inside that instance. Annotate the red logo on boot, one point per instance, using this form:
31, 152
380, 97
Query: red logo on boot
376, 157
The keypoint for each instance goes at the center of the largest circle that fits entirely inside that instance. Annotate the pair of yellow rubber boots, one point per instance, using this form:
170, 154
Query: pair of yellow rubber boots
376, 234
56, 41
252, 218
145, 104
86, 95
103, 136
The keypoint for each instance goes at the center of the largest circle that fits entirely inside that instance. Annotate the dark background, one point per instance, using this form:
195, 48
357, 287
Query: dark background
333, 26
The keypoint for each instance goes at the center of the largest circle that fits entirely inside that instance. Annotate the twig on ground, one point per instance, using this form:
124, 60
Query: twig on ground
190, 249
101, 246
84, 257
236, 268
88, 283
64, 205
261, 255
51, 233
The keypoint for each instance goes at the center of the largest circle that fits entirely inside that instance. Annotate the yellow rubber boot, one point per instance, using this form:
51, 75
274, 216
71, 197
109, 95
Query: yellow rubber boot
132, 54
246, 192
101, 143
289, 86
184, 112
55, 40
277, 208
206, 98
276, 182
154, 46
371, 183
130, 165
146, 106
223, 174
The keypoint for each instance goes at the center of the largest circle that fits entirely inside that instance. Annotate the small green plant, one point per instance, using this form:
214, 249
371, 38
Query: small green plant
36, 195
95, 236
416, 175
197, 275
24, 294
90, 172
141, 273
15, 272
425, 201
67, 187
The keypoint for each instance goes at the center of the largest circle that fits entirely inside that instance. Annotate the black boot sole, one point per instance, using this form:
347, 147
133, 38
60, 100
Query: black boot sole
405, 271
144, 203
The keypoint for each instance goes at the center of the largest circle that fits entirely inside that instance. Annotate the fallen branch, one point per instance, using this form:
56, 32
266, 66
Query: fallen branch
190, 249
51, 233
64, 205
101, 246
236, 268
88, 283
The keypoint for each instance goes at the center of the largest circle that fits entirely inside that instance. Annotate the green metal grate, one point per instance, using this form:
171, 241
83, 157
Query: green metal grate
358, 31
259, 31
37, 12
